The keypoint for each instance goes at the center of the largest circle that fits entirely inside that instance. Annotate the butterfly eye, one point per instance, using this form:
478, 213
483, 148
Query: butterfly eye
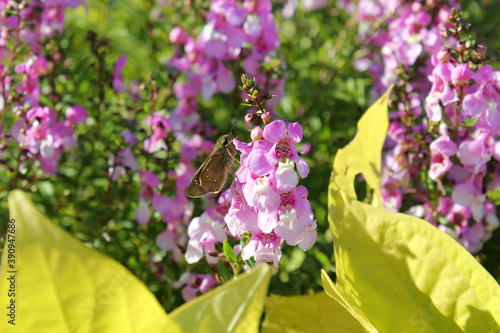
226, 140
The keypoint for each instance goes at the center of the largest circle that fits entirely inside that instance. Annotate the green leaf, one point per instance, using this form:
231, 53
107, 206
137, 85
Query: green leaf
224, 274
255, 93
469, 122
63, 286
494, 196
244, 240
250, 262
444, 221
234, 307
427, 280
308, 314
228, 252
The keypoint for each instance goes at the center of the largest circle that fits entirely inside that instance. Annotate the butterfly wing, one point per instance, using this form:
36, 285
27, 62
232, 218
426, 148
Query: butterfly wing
195, 190
214, 175
211, 176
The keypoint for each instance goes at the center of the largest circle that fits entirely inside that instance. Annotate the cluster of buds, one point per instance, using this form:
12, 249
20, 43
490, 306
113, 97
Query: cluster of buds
255, 99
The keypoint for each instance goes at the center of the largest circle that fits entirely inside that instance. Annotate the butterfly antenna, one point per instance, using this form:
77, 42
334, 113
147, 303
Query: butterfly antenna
231, 129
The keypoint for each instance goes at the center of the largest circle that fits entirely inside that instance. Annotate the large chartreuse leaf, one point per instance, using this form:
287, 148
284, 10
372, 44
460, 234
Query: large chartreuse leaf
397, 272
234, 307
308, 314
363, 153
63, 286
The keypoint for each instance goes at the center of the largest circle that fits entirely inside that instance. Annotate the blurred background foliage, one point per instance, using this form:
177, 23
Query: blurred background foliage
324, 93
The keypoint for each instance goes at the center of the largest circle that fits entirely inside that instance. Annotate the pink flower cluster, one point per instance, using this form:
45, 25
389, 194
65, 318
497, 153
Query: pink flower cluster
224, 41
47, 16
39, 132
266, 199
43, 137
412, 32
207, 230
463, 159
447, 122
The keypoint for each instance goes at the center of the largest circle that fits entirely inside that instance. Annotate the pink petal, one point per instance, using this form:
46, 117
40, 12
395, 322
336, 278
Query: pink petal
275, 131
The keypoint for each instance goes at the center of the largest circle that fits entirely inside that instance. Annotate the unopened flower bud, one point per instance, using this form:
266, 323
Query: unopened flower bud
250, 118
416, 7
445, 33
67, 63
431, 3
248, 101
5, 34
479, 50
454, 13
461, 46
267, 95
257, 133
444, 56
18, 111
177, 36
266, 117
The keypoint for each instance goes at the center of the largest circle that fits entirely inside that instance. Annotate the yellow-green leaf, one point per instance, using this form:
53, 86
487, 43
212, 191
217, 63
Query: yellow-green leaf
363, 153
234, 307
308, 314
63, 286
332, 291
403, 274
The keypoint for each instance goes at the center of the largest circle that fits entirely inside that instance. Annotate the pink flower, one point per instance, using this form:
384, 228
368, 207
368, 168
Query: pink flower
441, 150
474, 153
280, 139
170, 239
143, 212
241, 217
118, 85
440, 91
286, 177
204, 232
76, 114
461, 74
149, 181
177, 36
475, 104
392, 195
159, 126
195, 283
263, 247
126, 160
